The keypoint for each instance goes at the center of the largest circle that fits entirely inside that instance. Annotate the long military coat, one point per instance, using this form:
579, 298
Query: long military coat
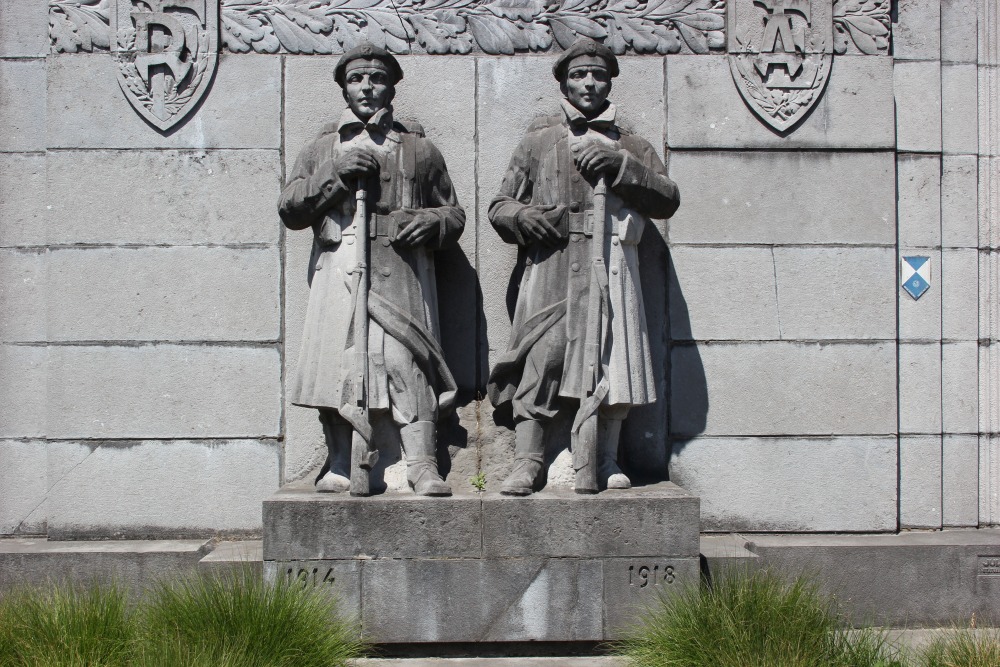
555, 287
403, 294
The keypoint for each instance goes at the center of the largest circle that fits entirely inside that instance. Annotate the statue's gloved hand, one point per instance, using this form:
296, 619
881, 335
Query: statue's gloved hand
354, 164
535, 225
595, 159
420, 230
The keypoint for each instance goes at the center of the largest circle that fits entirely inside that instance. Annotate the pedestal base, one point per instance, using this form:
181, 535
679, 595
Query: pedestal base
555, 566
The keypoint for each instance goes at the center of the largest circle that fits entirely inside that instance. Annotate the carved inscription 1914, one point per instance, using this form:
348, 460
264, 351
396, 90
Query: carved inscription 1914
166, 52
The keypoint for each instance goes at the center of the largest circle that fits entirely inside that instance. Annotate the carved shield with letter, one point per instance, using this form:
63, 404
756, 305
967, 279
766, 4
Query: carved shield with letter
780, 53
166, 52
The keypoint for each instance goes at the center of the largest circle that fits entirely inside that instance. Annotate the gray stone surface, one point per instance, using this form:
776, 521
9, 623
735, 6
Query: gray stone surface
807, 197
233, 554
24, 29
989, 202
149, 489
633, 586
917, 87
919, 387
705, 110
919, 207
960, 387
778, 293
920, 481
856, 284
163, 197
136, 564
24, 402
916, 33
656, 520
989, 119
157, 294
920, 319
22, 199
703, 303
173, 391
786, 484
300, 524
959, 201
724, 552
959, 294
482, 600
959, 109
960, 481
242, 109
22, 105
959, 31
914, 579
989, 454
23, 483
338, 579
989, 32
23, 293
761, 389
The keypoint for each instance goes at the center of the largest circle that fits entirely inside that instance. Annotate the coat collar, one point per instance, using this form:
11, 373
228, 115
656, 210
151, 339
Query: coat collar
380, 123
603, 122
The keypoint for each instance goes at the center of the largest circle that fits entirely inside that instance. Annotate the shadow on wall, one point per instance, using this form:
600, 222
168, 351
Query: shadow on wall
688, 388
646, 443
460, 308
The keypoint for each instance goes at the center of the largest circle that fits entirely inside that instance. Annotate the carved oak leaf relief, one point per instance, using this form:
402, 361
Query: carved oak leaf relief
79, 25
463, 26
861, 26
430, 26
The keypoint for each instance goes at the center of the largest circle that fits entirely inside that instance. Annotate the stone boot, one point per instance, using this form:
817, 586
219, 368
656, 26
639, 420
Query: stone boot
336, 477
529, 450
609, 474
420, 446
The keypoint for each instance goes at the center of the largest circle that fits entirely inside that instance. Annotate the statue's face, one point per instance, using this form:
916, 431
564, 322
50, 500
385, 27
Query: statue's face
587, 84
368, 87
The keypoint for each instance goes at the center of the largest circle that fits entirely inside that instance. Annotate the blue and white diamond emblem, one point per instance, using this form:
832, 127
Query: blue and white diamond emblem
916, 274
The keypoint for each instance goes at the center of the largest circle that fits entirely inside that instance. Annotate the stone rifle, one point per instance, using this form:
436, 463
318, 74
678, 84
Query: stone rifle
585, 428
364, 454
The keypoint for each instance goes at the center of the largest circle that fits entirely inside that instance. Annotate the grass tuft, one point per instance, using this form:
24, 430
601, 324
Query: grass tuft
964, 648
66, 625
752, 619
236, 620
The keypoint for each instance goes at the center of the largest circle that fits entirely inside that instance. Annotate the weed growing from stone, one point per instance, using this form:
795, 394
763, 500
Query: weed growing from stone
478, 481
752, 619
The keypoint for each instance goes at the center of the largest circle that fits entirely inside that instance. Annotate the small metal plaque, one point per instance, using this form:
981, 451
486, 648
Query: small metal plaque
915, 272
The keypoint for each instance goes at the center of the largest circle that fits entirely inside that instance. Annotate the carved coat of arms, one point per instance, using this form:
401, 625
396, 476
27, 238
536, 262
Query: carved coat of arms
780, 52
166, 52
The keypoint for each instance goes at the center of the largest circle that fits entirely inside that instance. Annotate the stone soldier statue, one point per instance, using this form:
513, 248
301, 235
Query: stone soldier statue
546, 206
370, 160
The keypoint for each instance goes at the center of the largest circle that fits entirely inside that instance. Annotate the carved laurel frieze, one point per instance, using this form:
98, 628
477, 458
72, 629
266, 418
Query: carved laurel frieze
468, 26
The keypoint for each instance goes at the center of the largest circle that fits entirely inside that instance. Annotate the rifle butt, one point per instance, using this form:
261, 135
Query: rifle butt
585, 456
362, 461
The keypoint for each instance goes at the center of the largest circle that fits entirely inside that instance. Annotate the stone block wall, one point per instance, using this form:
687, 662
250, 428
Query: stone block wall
153, 305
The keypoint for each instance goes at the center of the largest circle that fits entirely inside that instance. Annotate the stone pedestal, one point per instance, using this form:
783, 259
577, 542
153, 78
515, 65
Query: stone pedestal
556, 566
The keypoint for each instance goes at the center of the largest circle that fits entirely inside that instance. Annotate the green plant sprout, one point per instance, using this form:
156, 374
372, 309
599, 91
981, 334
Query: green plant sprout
479, 481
